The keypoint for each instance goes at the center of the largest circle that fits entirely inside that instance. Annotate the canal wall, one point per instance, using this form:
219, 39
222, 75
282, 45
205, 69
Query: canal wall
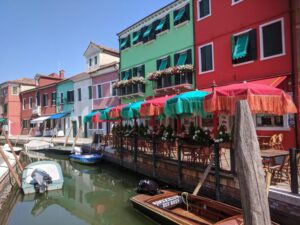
284, 207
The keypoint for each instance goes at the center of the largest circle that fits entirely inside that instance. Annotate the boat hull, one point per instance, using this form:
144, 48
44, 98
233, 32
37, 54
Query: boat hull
52, 168
88, 159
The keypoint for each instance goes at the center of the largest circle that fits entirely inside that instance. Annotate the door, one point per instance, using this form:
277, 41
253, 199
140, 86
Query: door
74, 123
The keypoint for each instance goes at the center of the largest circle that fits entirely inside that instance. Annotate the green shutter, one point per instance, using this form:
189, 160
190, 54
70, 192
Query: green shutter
124, 42
136, 36
160, 25
126, 75
163, 64
240, 48
179, 14
182, 59
147, 32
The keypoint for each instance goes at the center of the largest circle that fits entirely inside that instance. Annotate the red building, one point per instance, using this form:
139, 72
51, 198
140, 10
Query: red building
10, 110
39, 101
242, 40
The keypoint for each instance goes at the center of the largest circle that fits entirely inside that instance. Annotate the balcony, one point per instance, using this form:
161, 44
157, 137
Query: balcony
173, 84
36, 110
131, 91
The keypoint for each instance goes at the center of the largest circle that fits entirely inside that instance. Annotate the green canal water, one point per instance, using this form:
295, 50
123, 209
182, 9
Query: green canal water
90, 195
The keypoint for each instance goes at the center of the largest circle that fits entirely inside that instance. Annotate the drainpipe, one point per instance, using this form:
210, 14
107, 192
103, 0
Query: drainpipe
294, 55
194, 44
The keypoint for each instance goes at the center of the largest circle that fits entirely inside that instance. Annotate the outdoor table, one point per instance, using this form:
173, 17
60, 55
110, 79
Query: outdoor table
264, 141
269, 155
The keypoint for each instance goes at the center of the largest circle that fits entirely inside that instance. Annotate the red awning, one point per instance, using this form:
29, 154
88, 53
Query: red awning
154, 107
114, 112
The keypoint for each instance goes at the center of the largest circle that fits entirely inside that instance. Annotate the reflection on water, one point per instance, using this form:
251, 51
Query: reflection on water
91, 195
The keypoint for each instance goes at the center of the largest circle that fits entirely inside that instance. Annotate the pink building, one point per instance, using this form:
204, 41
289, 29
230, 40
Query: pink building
10, 102
104, 95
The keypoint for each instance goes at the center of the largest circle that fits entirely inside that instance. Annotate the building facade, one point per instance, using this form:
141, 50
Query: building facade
159, 42
246, 48
10, 103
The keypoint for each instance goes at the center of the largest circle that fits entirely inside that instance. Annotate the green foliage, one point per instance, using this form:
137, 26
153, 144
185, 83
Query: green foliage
223, 135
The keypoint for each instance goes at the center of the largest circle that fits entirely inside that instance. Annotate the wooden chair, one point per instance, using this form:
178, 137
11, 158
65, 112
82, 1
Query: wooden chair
281, 171
279, 142
186, 154
273, 141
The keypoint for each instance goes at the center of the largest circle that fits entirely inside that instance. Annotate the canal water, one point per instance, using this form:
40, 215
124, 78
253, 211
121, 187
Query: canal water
90, 195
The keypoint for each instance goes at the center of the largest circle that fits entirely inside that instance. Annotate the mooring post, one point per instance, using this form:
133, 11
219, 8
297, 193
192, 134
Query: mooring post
154, 156
217, 169
179, 163
249, 169
294, 171
135, 152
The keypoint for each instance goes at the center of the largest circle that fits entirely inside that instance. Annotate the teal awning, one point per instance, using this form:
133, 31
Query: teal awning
136, 36
186, 104
182, 59
147, 32
3, 120
179, 14
131, 111
240, 48
163, 64
160, 25
88, 117
104, 114
126, 75
124, 42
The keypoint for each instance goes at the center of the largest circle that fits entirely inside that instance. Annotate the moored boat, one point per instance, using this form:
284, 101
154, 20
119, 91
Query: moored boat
171, 208
92, 158
7, 148
42, 176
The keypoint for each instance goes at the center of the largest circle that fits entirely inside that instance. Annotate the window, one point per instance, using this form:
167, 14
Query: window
61, 98
269, 121
90, 92
15, 90
53, 98
125, 42
38, 99
90, 62
272, 39
206, 58
234, 2
162, 24
244, 47
163, 63
79, 94
4, 92
100, 91
24, 104
204, 9
70, 96
126, 75
96, 60
30, 103
139, 71
113, 90
5, 107
181, 15
183, 58
136, 37
148, 32
45, 99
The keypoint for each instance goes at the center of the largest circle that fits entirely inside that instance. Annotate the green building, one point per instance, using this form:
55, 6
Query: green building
159, 46
65, 104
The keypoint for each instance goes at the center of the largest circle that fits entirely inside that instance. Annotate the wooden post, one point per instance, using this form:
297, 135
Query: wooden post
13, 151
28, 136
179, 164
232, 160
68, 135
294, 171
249, 168
217, 169
203, 178
135, 139
154, 159
10, 167
77, 136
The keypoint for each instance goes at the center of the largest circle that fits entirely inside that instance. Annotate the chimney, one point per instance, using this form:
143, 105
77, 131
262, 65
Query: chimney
61, 73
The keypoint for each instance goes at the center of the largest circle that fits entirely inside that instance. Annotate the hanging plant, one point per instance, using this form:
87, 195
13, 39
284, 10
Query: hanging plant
132, 81
175, 70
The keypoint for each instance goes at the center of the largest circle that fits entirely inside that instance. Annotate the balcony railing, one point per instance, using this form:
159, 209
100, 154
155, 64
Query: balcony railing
132, 90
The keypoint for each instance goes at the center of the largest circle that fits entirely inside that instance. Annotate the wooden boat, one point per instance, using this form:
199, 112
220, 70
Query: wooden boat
42, 176
7, 148
90, 159
170, 208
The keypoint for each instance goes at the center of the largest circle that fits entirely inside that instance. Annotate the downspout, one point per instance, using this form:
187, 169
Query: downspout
194, 45
295, 75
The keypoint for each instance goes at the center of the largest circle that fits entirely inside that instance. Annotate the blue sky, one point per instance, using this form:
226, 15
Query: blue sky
44, 36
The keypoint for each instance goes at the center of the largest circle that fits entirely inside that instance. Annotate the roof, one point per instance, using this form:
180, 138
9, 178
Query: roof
104, 49
80, 76
105, 66
154, 14
22, 81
